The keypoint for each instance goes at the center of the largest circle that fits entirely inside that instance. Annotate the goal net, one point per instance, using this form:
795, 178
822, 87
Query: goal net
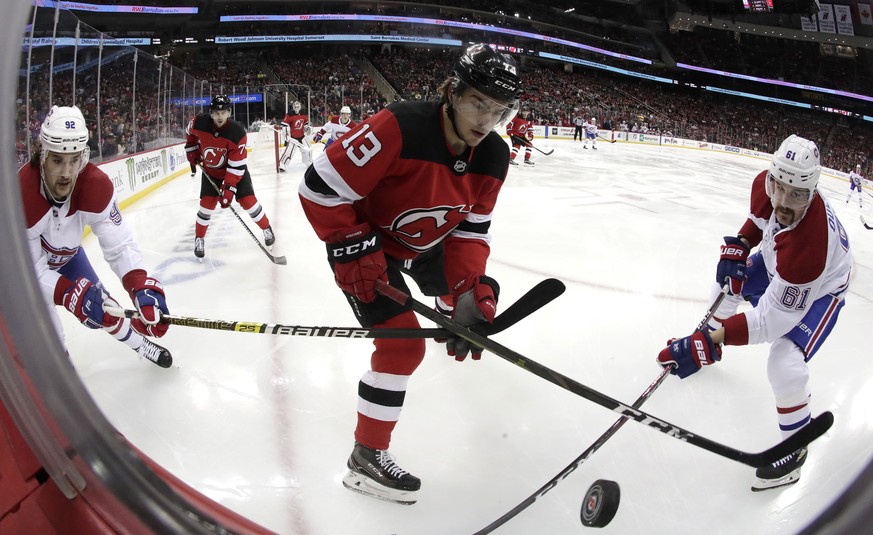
265, 145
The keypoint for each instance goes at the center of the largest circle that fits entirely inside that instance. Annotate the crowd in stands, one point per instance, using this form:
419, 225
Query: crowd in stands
329, 77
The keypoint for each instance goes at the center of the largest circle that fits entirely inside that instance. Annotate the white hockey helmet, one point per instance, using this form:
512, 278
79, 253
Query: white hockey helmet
296, 106
796, 165
64, 131
858, 167
593, 119
346, 109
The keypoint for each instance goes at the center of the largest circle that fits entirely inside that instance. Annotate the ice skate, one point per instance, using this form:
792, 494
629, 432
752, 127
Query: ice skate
374, 473
513, 162
784, 472
199, 247
528, 162
155, 353
269, 238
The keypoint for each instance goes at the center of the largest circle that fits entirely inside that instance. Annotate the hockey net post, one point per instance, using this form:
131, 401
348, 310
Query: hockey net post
267, 143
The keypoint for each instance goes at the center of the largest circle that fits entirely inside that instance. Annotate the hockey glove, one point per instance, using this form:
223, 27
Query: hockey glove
358, 261
226, 194
317, 137
148, 296
689, 354
732, 264
529, 135
84, 299
475, 300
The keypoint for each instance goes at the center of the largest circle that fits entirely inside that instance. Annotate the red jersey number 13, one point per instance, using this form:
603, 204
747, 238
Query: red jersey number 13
361, 152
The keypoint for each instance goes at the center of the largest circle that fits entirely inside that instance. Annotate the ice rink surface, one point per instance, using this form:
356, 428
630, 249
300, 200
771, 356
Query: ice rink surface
263, 424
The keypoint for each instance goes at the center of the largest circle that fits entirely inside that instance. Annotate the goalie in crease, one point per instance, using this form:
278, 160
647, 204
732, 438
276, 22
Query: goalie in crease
296, 132
796, 282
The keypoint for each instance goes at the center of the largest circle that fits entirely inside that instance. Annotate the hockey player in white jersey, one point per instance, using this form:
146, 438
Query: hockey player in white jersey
856, 181
336, 128
62, 193
590, 128
796, 282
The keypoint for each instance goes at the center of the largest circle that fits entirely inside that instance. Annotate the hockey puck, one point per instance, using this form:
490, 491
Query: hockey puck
600, 503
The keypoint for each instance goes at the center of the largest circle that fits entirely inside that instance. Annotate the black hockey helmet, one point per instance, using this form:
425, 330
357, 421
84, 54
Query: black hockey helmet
489, 72
220, 102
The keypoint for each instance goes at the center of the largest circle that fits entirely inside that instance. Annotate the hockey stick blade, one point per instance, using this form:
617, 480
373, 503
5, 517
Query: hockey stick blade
864, 222
613, 429
280, 260
807, 434
521, 141
537, 297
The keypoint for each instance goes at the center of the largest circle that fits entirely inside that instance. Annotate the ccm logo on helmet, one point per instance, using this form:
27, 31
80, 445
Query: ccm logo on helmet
503, 84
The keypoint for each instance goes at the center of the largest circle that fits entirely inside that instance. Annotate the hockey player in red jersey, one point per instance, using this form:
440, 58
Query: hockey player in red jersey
218, 143
62, 193
520, 132
296, 129
336, 128
796, 281
411, 191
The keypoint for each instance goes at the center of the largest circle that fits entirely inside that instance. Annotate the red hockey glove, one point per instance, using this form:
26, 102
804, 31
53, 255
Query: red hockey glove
689, 354
475, 300
226, 194
529, 135
358, 261
148, 296
84, 299
732, 264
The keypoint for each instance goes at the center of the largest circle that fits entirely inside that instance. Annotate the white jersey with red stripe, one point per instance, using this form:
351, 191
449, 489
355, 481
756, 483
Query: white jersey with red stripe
334, 129
805, 261
54, 231
856, 178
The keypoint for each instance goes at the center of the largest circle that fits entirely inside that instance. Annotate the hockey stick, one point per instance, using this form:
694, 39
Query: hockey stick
535, 298
607, 140
526, 143
816, 427
281, 260
600, 441
864, 221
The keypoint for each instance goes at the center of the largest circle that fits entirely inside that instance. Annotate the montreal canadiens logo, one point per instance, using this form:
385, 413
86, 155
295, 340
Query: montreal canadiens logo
422, 228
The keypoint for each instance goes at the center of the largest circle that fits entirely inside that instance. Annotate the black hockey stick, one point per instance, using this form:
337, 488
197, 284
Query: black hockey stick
816, 427
521, 141
864, 221
535, 298
585, 455
281, 260
607, 140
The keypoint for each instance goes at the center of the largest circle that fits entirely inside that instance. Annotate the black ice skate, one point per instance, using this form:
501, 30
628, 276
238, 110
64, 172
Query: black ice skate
269, 238
374, 473
528, 162
155, 353
199, 247
513, 162
785, 471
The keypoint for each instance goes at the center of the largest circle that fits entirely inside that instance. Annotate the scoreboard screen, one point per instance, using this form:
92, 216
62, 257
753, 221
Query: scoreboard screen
758, 6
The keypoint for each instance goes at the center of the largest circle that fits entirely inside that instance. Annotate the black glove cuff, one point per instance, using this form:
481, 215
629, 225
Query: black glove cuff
485, 279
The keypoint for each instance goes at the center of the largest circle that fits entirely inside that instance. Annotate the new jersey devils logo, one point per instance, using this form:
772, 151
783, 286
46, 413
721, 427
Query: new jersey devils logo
215, 157
422, 228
